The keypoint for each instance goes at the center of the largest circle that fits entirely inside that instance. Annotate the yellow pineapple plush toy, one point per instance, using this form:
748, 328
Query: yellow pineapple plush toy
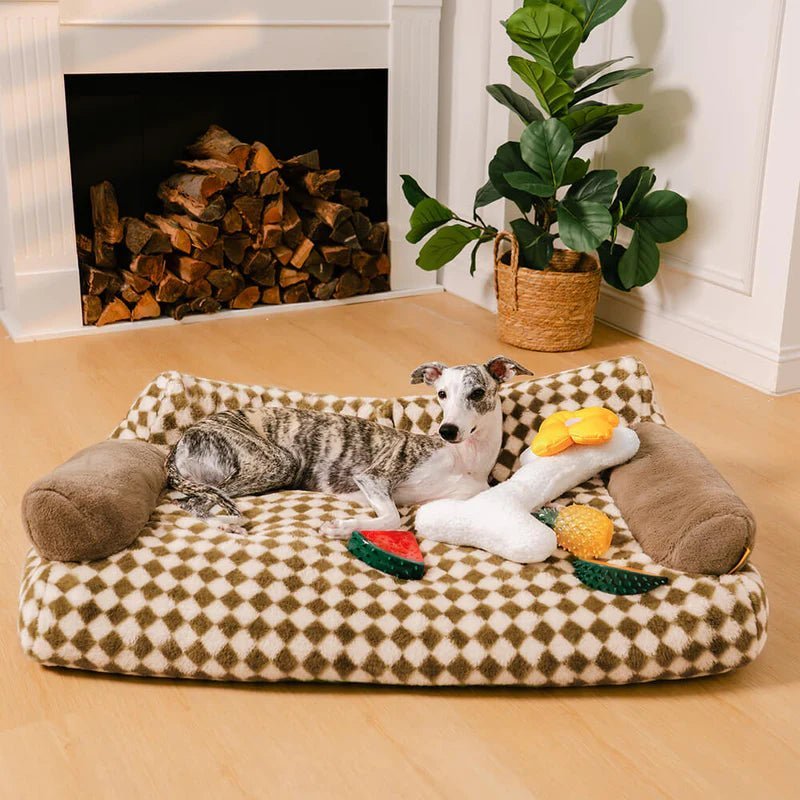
584, 531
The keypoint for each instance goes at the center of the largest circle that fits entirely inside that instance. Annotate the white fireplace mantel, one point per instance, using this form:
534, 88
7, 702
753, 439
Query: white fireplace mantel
41, 41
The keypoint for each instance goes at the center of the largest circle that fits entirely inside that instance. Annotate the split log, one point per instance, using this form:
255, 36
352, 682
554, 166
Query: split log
159, 242
380, 283
178, 237
150, 267
289, 277
376, 238
305, 161
232, 221
189, 269
301, 253
84, 244
345, 234
130, 296
273, 212
316, 229
247, 298
251, 210
139, 283
217, 143
296, 294
336, 254
349, 285
98, 281
383, 264
261, 159
271, 235
332, 214
214, 255
235, 247
283, 253
226, 282
211, 166
352, 199
137, 234
272, 184
92, 307
291, 225
321, 183
322, 270
271, 296
324, 291
108, 229
365, 263
115, 311
170, 289
249, 182
201, 234
146, 308
201, 209
196, 186
259, 266
205, 305
362, 226
198, 289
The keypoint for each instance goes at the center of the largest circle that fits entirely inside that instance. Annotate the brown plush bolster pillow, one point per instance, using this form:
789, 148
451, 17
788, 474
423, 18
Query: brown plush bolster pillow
683, 513
96, 503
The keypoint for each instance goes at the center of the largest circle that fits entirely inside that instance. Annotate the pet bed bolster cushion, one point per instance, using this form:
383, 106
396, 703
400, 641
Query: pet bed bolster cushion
189, 600
683, 513
96, 503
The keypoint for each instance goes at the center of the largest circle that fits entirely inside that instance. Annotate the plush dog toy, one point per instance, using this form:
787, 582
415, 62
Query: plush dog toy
499, 519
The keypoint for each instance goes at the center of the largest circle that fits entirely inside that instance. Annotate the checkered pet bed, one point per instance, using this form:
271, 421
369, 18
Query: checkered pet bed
190, 601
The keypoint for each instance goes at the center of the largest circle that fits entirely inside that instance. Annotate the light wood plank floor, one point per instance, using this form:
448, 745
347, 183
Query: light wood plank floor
68, 734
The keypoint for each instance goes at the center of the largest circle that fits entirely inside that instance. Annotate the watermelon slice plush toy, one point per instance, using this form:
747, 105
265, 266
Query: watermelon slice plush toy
393, 552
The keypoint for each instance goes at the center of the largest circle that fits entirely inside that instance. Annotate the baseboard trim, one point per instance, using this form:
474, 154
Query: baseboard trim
752, 363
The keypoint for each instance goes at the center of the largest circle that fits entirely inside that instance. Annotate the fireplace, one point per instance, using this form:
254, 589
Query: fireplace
203, 191
356, 81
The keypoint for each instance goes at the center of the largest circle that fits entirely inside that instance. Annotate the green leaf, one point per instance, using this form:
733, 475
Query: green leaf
550, 34
661, 215
582, 224
546, 147
594, 130
412, 191
582, 74
589, 112
528, 182
635, 185
428, 215
639, 264
610, 79
573, 6
553, 93
445, 245
576, 169
598, 11
610, 255
535, 243
520, 105
598, 186
486, 195
508, 159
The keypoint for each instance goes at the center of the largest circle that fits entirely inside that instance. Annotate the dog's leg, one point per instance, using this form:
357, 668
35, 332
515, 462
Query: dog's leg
377, 491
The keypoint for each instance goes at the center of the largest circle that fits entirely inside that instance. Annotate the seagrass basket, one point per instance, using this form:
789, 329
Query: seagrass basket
551, 310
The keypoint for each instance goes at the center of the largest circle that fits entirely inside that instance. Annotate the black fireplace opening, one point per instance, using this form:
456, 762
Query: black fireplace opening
129, 130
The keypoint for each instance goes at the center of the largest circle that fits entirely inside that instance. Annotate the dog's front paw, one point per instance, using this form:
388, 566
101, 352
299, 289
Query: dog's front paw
338, 528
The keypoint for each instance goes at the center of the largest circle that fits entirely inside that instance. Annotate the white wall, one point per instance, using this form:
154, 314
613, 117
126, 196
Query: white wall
720, 125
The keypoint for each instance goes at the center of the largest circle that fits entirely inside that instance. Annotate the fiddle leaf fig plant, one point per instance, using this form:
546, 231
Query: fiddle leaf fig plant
556, 193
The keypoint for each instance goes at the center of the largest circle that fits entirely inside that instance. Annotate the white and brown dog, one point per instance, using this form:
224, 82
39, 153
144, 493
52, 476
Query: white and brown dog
238, 453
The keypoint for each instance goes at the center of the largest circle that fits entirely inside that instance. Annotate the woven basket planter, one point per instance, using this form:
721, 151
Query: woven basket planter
551, 310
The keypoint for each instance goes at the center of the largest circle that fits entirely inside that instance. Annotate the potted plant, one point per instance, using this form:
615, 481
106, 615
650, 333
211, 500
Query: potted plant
547, 294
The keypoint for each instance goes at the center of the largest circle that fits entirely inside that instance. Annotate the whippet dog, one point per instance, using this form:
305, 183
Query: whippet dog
250, 452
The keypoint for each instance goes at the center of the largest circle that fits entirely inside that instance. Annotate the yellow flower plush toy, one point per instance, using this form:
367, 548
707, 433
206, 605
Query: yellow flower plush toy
586, 426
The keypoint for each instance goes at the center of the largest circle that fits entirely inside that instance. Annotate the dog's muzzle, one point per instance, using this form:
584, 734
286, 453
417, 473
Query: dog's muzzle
448, 432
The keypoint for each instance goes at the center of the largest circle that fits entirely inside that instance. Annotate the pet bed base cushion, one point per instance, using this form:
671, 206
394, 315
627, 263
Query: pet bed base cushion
189, 600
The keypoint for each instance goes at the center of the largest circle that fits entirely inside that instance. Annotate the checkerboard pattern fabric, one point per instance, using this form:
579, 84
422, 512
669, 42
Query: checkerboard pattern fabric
190, 600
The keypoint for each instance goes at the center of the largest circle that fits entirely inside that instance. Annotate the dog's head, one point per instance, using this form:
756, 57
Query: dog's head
467, 394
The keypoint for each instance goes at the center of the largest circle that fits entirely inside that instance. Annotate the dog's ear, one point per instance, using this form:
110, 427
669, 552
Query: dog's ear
428, 373
504, 369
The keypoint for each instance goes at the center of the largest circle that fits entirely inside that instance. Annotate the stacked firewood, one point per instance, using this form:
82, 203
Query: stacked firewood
238, 227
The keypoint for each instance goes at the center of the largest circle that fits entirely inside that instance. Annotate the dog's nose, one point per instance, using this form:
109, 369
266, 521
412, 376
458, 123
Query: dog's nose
448, 432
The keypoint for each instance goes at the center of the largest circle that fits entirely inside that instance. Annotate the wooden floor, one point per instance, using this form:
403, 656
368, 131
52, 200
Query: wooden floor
67, 734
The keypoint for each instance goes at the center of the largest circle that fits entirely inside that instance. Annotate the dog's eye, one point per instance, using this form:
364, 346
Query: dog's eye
477, 394
442, 394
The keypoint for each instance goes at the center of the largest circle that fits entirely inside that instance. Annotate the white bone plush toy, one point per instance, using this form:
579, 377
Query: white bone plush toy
499, 519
